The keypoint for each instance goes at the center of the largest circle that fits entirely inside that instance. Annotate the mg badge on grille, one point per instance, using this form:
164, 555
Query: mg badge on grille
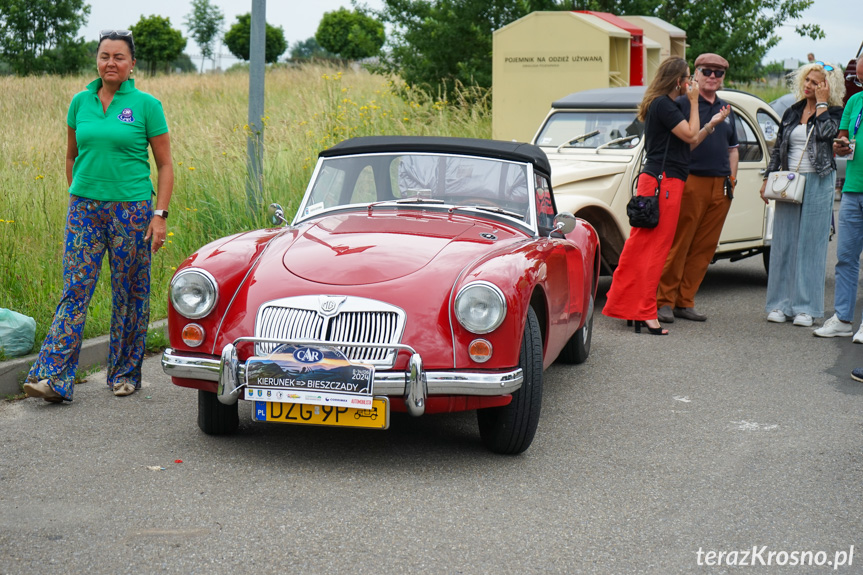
329, 305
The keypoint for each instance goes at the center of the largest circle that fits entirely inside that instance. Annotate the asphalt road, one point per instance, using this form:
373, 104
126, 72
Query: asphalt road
725, 436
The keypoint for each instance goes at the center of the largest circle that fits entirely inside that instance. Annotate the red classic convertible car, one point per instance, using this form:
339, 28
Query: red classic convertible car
419, 274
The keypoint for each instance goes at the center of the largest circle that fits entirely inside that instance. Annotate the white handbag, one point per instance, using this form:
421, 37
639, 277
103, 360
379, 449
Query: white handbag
787, 186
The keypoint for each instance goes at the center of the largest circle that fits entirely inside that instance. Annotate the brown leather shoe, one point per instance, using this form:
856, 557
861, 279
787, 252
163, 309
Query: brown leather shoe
689, 313
42, 389
664, 314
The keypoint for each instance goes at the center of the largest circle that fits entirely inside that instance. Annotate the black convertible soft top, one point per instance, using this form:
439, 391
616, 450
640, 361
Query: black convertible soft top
610, 98
513, 151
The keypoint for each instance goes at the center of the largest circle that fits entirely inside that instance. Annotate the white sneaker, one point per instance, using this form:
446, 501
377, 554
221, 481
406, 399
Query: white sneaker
834, 327
803, 320
858, 337
776, 316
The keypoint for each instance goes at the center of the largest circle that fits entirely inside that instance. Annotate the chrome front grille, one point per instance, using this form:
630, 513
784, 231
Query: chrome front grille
333, 319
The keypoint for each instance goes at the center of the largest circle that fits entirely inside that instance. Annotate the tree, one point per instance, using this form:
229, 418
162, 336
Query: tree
426, 34
309, 50
239, 39
205, 23
38, 36
742, 31
156, 42
351, 35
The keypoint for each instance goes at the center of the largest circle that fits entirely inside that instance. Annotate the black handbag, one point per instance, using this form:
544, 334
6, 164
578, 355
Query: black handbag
643, 211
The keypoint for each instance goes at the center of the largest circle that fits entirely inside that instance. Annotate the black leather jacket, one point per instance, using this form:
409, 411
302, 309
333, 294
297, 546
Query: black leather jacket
820, 147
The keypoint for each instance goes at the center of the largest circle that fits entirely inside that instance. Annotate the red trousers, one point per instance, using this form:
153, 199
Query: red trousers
632, 294
702, 214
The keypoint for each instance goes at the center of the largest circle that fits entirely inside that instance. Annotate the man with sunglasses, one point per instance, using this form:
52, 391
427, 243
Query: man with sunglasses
706, 196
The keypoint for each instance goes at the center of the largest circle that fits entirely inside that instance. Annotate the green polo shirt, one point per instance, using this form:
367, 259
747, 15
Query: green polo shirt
854, 168
113, 163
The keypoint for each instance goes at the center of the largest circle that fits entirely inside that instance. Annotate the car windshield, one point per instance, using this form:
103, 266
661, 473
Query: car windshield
592, 129
447, 180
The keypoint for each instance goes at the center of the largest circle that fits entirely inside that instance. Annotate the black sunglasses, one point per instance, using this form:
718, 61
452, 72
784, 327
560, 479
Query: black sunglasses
827, 67
117, 33
708, 72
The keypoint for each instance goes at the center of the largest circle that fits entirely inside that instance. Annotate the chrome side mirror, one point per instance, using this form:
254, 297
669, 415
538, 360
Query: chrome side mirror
564, 222
276, 215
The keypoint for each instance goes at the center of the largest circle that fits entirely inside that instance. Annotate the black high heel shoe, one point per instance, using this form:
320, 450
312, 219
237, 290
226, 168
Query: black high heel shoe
652, 330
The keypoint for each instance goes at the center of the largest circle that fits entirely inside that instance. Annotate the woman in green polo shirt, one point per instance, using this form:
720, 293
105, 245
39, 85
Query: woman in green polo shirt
110, 126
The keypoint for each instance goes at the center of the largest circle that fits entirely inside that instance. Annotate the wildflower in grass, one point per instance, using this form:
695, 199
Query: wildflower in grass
191, 168
170, 234
39, 177
179, 163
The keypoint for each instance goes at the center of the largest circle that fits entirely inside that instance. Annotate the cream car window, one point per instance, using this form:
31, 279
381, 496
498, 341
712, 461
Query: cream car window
750, 148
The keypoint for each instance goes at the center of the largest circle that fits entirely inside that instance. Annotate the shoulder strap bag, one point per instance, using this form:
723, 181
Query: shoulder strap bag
788, 186
643, 211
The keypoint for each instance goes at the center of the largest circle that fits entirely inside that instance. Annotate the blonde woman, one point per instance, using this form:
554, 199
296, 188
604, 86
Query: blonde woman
798, 254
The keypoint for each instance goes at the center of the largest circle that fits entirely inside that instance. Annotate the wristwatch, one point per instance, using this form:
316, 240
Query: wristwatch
161, 213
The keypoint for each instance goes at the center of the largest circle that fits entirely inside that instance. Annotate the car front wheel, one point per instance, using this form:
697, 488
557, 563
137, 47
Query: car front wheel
214, 417
510, 429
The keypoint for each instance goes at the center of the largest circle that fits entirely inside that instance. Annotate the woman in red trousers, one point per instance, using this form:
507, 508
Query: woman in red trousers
668, 136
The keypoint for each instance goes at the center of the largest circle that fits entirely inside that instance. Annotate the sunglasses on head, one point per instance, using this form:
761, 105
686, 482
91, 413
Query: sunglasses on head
827, 67
708, 72
114, 33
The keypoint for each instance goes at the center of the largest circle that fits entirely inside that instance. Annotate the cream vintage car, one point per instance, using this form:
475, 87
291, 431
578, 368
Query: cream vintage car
596, 146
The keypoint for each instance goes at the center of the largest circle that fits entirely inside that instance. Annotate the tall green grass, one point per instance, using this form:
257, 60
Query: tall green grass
306, 110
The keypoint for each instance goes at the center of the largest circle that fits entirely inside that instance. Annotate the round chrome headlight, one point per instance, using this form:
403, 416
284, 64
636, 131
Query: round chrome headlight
480, 307
193, 293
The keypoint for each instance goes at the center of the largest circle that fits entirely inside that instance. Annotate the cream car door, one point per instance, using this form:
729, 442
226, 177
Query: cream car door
745, 221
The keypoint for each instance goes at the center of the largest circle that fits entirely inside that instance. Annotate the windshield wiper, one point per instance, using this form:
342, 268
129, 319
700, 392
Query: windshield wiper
617, 141
494, 210
419, 199
579, 138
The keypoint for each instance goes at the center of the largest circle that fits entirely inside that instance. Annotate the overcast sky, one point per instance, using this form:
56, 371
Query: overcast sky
300, 18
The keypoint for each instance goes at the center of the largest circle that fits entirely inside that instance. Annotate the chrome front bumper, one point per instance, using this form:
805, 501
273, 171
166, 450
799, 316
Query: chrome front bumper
415, 384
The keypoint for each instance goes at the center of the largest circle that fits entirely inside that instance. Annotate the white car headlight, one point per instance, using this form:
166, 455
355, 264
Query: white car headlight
480, 307
194, 293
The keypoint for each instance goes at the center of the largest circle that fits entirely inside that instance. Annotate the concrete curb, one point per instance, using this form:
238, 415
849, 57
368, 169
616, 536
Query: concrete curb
94, 353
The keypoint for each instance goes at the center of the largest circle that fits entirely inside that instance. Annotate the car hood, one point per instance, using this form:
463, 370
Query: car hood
362, 249
567, 169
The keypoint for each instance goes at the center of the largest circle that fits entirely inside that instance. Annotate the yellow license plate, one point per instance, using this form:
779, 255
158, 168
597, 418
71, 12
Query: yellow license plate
378, 417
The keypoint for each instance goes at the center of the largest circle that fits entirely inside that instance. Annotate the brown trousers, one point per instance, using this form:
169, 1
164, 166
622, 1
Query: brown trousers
702, 213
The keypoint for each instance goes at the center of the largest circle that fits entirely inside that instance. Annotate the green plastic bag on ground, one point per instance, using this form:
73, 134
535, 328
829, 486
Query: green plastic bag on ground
17, 332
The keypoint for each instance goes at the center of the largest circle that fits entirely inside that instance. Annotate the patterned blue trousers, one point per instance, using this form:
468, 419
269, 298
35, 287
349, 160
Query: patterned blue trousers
92, 228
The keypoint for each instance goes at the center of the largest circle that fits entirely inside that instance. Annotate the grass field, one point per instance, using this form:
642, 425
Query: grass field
307, 110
